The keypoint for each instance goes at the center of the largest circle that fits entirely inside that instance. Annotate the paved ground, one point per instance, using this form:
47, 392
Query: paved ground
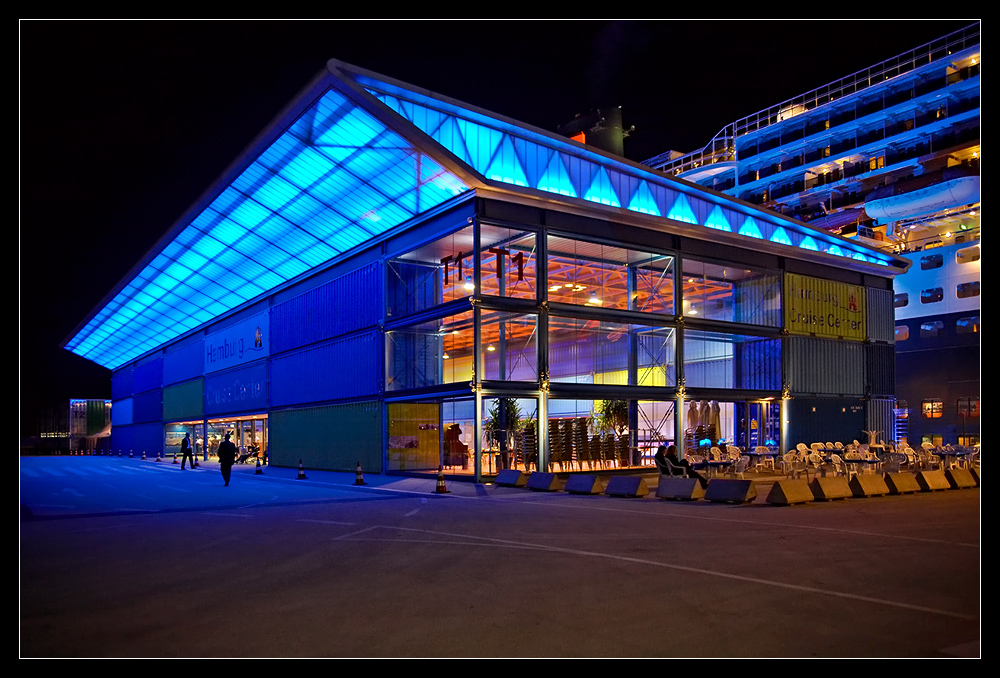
129, 558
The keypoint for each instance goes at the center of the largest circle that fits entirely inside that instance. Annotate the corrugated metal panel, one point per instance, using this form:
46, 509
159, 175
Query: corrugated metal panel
345, 368
813, 420
148, 376
146, 438
881, 417
822, 366
824, 308
880, 368
335, 437
881, 315
148, 406
121, 438
240, 390
121, 412
758, 364
183, 401
121, 383
184, 363
347, 304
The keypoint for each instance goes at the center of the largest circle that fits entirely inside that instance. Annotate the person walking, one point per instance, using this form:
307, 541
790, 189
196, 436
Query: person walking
227, 455
186, 453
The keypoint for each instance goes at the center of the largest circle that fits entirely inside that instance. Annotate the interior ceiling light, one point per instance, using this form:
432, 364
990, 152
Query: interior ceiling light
468, 284
490, 348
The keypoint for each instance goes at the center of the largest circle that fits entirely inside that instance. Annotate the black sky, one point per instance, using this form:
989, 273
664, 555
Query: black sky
124, 124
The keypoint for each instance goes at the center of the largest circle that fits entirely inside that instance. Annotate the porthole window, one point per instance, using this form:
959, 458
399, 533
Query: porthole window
968, 325
902, 332
931, 329
932, 295
931, 261
967, 255
969, 289
900, 300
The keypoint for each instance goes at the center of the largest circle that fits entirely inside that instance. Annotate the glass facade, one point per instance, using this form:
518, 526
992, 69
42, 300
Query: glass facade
572, 352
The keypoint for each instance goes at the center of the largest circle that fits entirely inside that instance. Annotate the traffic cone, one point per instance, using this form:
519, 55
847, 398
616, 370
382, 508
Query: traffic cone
359, 477
302, 471
259, 471
440, 489
159, 456
130, 454
175, 456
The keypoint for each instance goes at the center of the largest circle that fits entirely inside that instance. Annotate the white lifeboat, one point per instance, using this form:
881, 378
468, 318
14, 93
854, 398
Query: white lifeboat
941, 196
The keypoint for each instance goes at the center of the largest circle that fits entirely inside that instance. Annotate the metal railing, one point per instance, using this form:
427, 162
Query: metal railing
722, 147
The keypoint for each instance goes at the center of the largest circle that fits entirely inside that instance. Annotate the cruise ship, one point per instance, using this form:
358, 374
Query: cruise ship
888, 156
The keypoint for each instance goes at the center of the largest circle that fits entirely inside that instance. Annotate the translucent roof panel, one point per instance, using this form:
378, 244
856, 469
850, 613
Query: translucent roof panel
507, 153
335, 179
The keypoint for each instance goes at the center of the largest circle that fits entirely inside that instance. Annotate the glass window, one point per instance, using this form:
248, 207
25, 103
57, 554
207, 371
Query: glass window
431, 274
932, 409
931, 261
900, 300
967, 255
427, 354
967, 325
932, 295
597, 352
509, 346
968, 407
427, 434
717, 360
591, 274
507, 262
931, 329
969, 289
510, 434
731, 293
902, 332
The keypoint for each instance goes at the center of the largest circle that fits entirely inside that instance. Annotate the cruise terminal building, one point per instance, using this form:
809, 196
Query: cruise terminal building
391, 277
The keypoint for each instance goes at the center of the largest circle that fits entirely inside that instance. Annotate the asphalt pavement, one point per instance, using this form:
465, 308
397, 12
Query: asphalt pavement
130, 558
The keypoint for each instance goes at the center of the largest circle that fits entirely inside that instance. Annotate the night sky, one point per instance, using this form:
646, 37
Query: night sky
124, 124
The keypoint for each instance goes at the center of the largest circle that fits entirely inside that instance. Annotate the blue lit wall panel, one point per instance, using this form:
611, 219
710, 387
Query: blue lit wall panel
346, 304
240, 390
184, 363
121, 412
148, 438
121, 438
121, 383
148, 406
345, 368
148, 376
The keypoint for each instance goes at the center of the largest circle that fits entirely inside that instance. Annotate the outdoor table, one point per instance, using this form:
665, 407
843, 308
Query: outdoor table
756, 456
714, 465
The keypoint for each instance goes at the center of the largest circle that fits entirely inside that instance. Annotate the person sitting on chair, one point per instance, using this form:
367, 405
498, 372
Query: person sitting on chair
669, 465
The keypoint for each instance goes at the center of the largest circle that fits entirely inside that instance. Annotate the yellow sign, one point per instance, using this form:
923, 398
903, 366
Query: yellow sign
824, 308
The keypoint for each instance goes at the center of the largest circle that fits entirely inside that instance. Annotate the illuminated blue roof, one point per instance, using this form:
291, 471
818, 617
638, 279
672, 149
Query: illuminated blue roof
340, 169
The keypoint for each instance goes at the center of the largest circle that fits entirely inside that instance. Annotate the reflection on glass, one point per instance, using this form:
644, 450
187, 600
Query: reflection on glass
590, 274
733, 294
